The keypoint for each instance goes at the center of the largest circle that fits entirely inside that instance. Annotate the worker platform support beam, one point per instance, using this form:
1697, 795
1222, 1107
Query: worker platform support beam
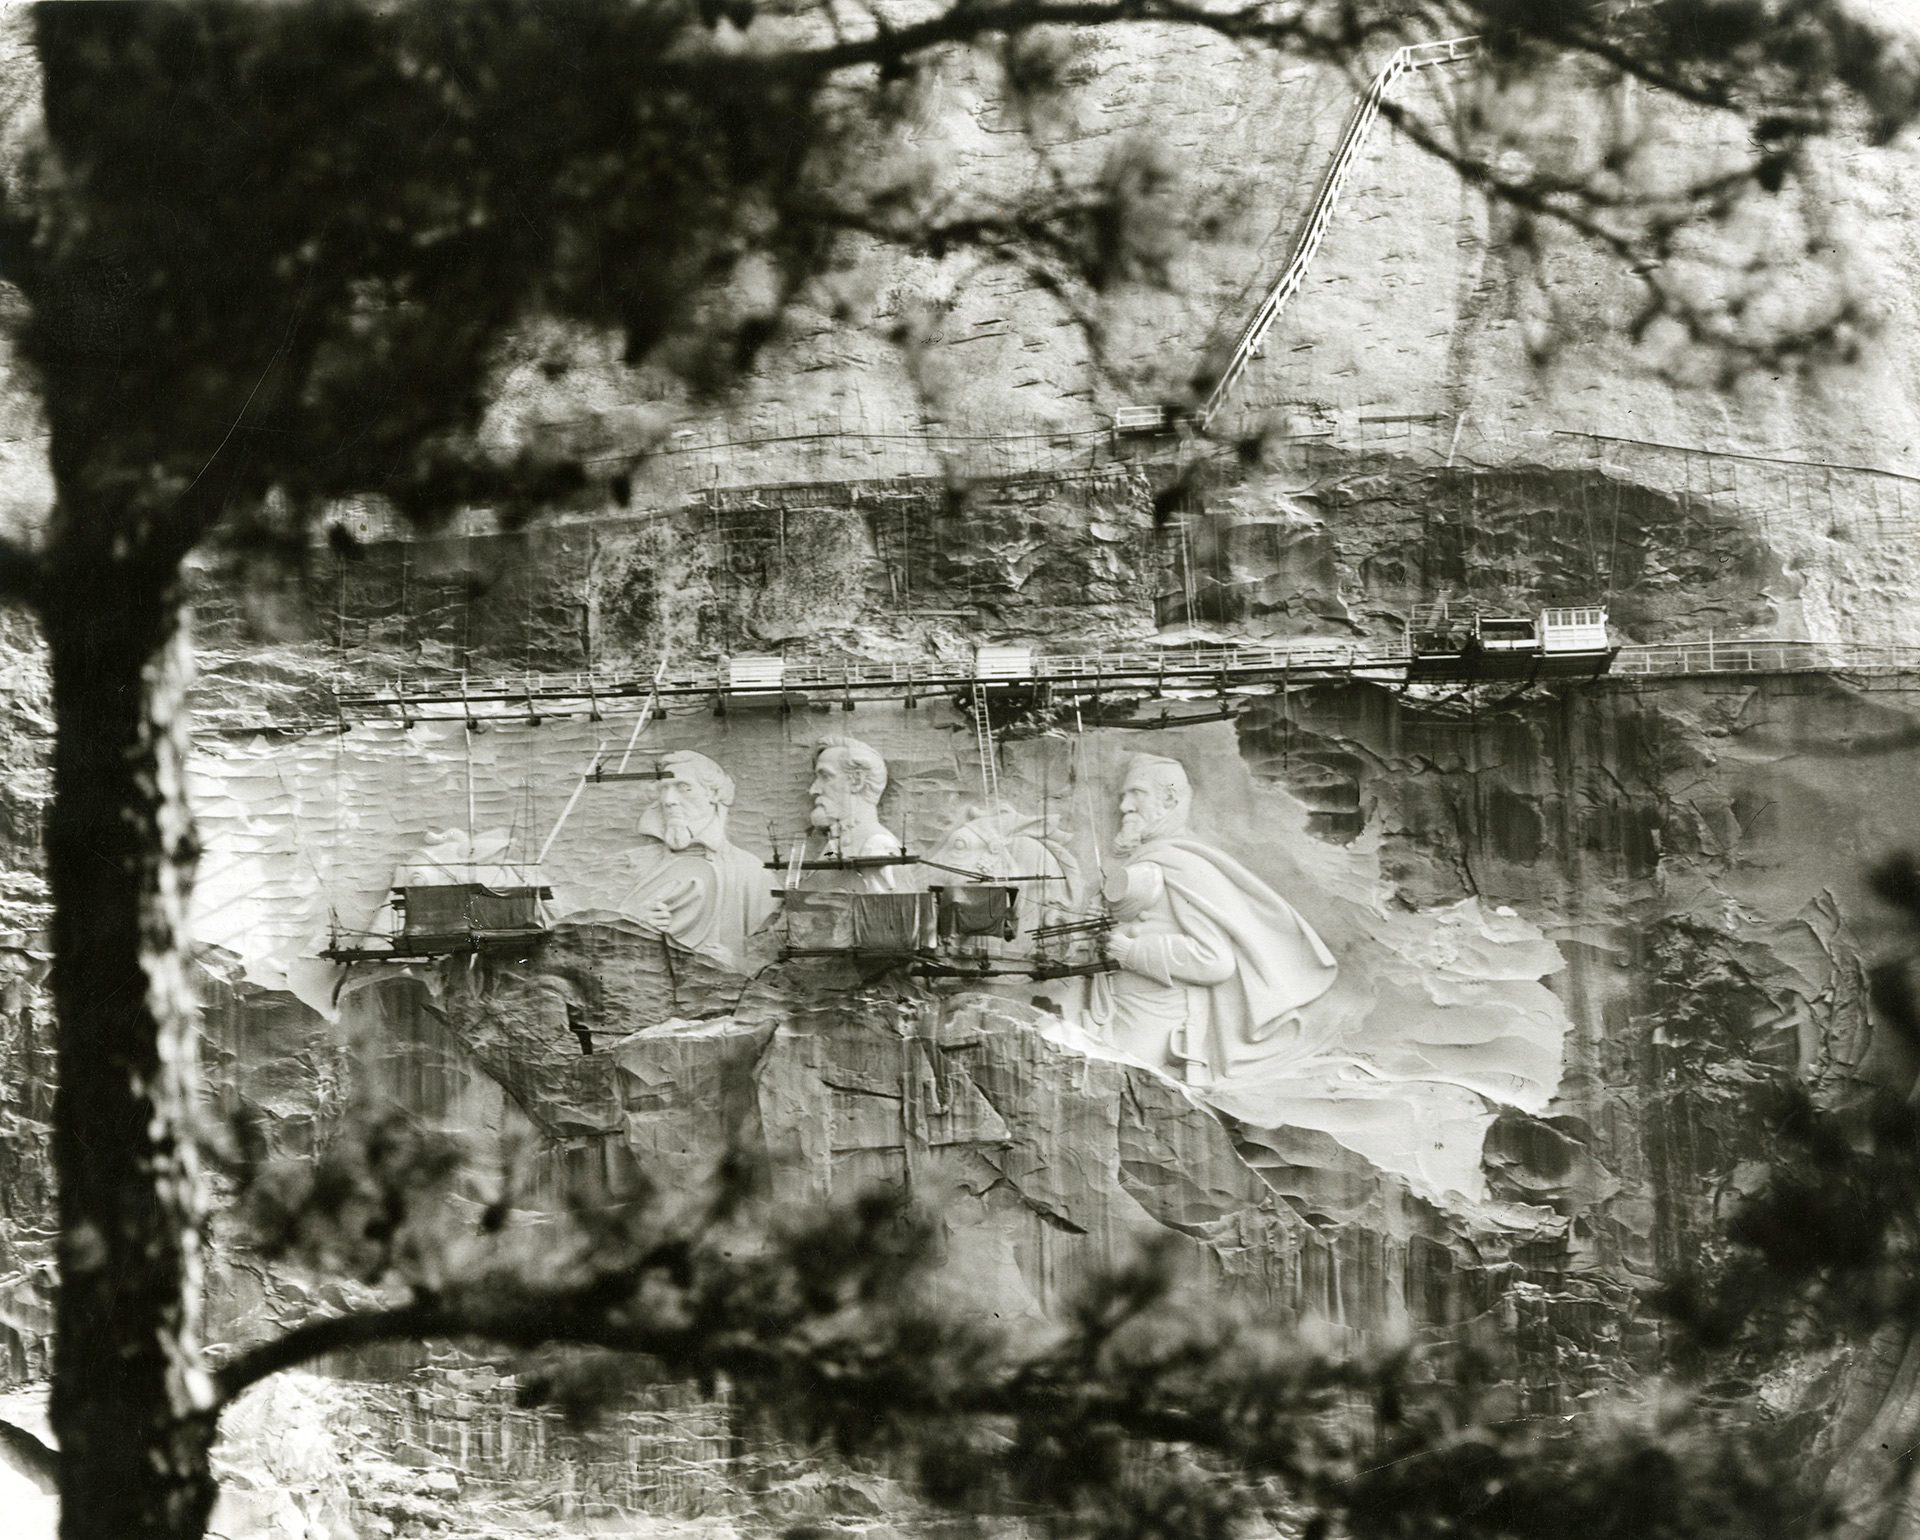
1199, 672
1195, 673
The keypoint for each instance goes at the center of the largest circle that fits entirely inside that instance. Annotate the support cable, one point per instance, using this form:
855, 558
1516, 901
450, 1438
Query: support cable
646, 713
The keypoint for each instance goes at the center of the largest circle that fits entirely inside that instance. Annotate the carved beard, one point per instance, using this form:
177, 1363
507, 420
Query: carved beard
1137, 829
842, 809
678, 832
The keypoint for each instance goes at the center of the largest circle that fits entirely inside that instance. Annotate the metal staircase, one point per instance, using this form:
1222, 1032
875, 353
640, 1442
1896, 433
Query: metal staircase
1353, 140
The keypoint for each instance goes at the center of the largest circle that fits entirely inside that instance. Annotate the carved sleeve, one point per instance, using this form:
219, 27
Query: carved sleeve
1198, 954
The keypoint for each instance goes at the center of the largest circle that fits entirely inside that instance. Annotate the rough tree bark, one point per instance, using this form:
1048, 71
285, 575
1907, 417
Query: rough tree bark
131, 1406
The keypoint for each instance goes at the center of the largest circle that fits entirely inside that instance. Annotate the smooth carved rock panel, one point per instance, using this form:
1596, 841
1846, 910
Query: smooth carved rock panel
688, 1095
1030, 1170
1399, 1034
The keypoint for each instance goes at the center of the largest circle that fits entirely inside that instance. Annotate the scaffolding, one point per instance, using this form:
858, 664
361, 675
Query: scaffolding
1088, 677
1071, 680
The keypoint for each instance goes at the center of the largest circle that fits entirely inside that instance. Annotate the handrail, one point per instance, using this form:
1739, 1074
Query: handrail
1306, 245
1173, 667
1160, 670
1766, 656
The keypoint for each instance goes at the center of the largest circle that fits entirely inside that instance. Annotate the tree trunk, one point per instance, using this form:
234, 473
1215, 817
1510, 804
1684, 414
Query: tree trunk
131, 1405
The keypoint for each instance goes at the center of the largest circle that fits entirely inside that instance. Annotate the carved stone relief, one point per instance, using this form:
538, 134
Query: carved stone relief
849, 778
1214, 966
1259, 972
1003, 849
693, 884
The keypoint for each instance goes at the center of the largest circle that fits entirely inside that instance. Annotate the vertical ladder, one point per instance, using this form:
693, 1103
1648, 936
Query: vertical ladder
983, 741
1353, 140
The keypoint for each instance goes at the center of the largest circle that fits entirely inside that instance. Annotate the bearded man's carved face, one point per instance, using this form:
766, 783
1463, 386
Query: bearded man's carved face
835, 795
686, 808
1150, 806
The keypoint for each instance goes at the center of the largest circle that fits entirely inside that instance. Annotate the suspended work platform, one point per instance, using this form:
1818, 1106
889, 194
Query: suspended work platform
1088, 679
1474, 642
943, 931
437, 909
1007, 672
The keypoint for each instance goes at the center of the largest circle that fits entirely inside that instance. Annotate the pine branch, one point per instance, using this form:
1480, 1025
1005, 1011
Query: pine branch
507, 1315
1040, 1391
316, 1339
1641, 244
891, 47
22, 575
31, 1458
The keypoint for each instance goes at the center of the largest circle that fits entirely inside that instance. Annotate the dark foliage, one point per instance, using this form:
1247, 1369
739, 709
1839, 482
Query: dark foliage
252, 300
1152, 1413
1830, 1245
1677, 1472
297, 289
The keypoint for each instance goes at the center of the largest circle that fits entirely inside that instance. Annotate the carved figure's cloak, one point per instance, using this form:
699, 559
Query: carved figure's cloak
1280, 963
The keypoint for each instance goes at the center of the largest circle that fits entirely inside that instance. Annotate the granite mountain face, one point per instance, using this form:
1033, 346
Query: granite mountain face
1439, 998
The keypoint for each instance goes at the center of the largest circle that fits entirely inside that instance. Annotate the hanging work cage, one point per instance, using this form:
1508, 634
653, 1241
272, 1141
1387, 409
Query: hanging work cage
467, 909
1468, 640
947, 930
444, 910
873, 925
1005, 683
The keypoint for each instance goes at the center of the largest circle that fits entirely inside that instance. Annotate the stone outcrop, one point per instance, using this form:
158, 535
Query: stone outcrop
1044, 1164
